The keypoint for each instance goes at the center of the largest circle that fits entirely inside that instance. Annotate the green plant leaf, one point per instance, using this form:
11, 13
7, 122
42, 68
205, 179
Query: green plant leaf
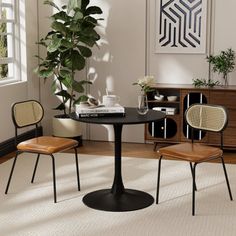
90, 32
78, 15
54, 44
65, 73
93, 10
58, 26
87, 40
51, 3
77, 86
67, 82
75, 27
60, 107
45, 73
84, 4
63, 93
82, 98
66, 43
86, 52
78, 61
61, 16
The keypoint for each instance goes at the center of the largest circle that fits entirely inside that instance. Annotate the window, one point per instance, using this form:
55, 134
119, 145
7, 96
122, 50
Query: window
9, 41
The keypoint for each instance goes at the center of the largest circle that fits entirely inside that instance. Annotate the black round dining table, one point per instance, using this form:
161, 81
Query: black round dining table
118, 198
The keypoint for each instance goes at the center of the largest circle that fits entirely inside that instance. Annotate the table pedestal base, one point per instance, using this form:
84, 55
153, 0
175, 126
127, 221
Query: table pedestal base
129, 200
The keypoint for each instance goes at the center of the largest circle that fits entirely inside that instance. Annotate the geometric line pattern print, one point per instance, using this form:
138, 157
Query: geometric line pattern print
181, 26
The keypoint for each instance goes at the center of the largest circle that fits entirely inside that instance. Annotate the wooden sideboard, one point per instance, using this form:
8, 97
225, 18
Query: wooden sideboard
174, 129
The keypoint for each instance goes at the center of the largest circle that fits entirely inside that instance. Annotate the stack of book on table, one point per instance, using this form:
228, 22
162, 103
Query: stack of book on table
100, 111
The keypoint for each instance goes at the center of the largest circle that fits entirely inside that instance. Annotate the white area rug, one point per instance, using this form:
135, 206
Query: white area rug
28, 209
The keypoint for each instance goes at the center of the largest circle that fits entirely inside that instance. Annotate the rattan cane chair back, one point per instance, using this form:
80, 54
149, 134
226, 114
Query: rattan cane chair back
207, 117
27, 113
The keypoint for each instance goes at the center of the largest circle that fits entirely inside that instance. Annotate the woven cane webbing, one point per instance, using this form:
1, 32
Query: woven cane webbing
27, 113
206, 117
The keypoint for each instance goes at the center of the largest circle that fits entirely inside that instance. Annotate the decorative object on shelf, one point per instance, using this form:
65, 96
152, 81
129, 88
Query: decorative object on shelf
68, 45
159, 97
145, 83
181, 26
172, 98
142, 104
223, 63
205, 83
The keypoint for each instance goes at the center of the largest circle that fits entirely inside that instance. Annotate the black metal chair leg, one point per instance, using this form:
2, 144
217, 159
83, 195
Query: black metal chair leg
193, 194
158, 179
77, 168
226, 178
12, 169
191, 167
35, 168
54, 179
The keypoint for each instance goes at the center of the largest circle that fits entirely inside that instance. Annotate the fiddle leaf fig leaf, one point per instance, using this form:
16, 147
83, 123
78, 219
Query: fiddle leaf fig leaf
78, 87
45, 73
82, 98
54, 44
61, 16
65, 73
61, 107
78, 15
93, 10
58, 26
67, 82
66, 43
86, 52
63, 93
78, 61
84, 4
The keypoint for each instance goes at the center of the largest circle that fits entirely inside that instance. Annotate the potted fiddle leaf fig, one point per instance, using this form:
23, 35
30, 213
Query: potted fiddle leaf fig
68, 44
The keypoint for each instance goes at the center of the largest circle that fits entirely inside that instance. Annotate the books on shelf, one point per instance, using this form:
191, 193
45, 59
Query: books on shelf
100, 111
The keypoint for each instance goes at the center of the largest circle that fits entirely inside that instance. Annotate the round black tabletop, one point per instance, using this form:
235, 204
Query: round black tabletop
131, 117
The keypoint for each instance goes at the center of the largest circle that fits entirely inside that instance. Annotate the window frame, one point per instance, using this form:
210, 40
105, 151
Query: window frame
15, 59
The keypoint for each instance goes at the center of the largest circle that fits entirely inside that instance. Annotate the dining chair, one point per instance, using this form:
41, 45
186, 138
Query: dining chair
205, 117
30, 113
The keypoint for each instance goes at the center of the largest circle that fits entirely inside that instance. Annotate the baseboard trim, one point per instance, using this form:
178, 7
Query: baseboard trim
8, 145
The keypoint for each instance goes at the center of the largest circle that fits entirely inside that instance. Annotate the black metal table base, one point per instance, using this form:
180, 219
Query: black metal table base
129, 200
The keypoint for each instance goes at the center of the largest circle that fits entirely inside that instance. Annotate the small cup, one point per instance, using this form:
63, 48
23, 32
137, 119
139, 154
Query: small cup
110, 100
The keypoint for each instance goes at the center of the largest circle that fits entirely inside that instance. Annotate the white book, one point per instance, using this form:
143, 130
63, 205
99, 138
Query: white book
91, 110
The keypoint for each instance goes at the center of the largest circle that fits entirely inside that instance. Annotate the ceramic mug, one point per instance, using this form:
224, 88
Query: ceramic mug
110, 100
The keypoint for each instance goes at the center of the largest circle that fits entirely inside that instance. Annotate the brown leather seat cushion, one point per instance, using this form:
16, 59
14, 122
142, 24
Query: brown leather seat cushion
47, 144
190, 152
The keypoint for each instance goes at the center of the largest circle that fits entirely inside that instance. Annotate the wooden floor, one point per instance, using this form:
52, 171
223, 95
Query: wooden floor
128, 150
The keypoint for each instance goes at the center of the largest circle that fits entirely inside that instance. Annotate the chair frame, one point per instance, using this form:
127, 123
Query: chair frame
193, 166
39, 153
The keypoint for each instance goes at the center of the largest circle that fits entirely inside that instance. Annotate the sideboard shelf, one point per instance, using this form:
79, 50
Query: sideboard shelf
174, 129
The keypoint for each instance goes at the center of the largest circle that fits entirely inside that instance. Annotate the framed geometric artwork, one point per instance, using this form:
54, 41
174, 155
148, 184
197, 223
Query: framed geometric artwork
181, 26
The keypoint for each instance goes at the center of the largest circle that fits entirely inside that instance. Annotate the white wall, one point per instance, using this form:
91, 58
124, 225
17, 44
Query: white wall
120, 60
224, 34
